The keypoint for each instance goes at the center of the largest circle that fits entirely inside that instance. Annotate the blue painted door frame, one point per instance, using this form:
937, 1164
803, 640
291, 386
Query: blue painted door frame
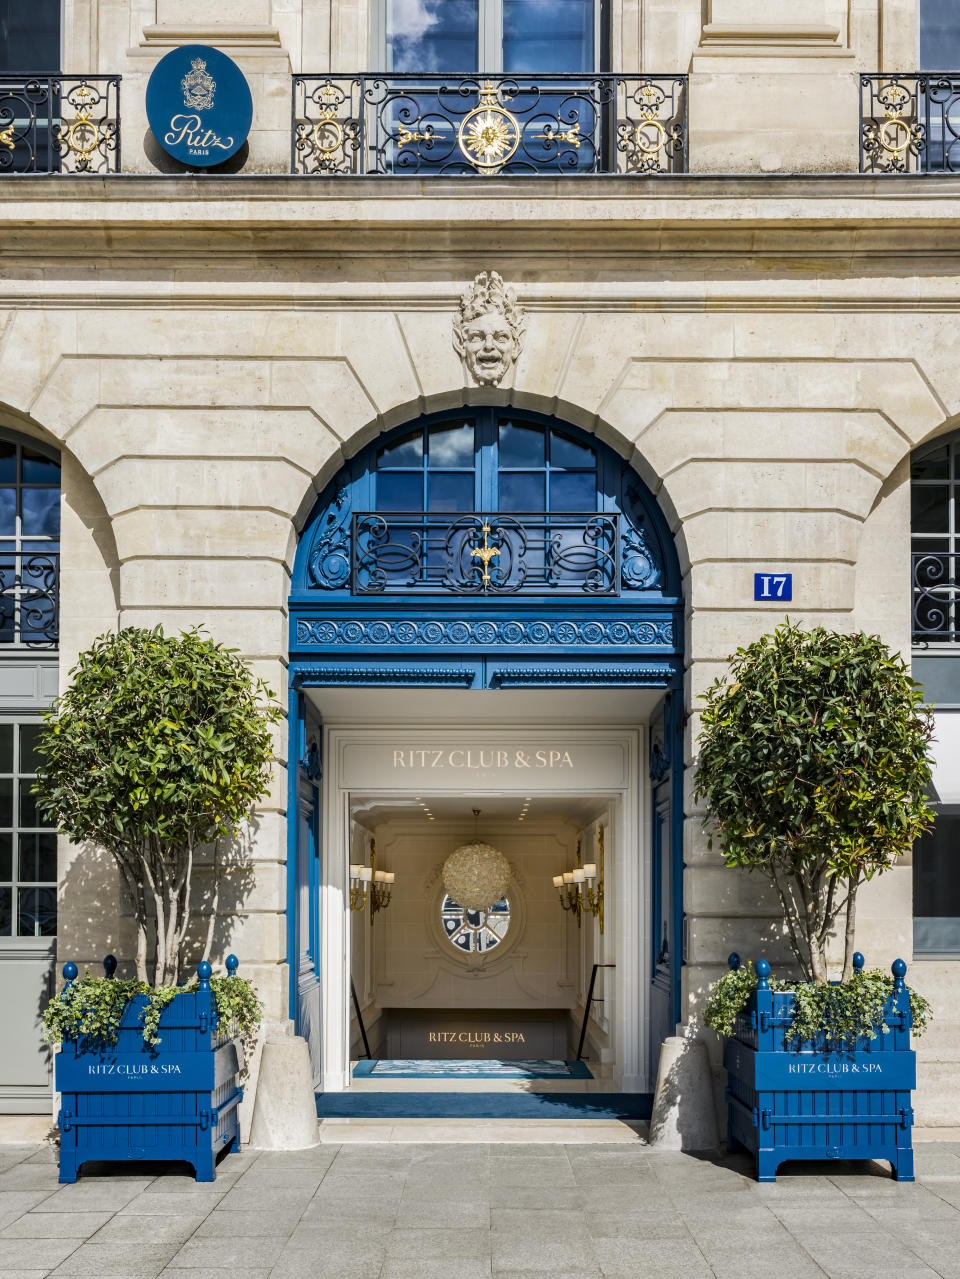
342, 637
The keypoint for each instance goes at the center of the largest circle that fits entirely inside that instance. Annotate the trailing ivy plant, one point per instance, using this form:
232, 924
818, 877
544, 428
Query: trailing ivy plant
161, 744
813, 767
838, 1011
93, 1007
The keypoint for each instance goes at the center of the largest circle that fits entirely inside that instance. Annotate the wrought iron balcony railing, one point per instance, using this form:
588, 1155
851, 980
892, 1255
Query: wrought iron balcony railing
470, 124
60, 124
910, 123
30, 598
936, 597
492, 554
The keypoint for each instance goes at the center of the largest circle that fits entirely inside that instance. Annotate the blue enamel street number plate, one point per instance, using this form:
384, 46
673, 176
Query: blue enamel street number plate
199, 105
773, 586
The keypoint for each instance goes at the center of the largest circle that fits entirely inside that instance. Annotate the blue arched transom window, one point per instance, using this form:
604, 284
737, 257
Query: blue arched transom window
487, 502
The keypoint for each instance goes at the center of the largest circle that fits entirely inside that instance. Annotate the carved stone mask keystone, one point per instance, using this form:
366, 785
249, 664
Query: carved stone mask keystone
488, 330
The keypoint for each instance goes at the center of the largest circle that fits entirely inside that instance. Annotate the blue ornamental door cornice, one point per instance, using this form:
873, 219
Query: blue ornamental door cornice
411, 571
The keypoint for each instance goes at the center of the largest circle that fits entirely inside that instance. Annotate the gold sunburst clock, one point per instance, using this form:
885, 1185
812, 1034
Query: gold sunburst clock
489, 134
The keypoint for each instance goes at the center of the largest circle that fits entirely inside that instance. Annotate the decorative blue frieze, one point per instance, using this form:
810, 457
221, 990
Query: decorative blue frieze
592, 676
382, 676
483, 632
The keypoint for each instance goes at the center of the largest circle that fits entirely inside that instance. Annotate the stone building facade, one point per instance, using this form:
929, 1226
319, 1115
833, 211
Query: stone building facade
762, 337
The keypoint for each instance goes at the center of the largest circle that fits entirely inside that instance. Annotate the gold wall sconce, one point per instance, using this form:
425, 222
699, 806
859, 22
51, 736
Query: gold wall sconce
367, 884
581, 889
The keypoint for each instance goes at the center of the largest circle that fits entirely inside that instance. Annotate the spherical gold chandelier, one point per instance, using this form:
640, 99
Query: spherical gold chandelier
476, 875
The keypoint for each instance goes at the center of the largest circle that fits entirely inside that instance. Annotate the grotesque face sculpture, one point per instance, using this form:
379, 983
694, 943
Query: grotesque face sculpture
488, 333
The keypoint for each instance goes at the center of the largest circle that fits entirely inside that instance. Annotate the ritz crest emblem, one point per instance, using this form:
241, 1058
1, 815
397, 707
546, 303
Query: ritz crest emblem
488, 329
198, 86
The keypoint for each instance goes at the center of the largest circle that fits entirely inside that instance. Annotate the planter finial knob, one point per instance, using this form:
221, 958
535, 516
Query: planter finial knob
203, 972
70, 971
232, 965
858, 962
733, 960
763, 974
109, 965
899, 970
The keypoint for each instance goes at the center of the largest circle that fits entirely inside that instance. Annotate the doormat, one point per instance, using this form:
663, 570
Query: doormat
480, 1068
484, 1105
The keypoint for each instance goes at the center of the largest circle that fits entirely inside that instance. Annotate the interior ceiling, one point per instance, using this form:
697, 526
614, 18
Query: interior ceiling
456, 810
583, 707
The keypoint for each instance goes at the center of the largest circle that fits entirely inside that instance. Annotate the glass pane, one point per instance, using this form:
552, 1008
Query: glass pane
522, 491
6, 856
451, 445
28, 805
933, 466
432, 35
929, 508
451, 492
38, 857
28, 739
8, 462
400, 491
566, 451
40, 469
6, 801
8, 512
554, 36
407, 451
936, 884
29, 36
6, 899
41, 512
573, 492
939, 35
521, 445
6, 748
37, 916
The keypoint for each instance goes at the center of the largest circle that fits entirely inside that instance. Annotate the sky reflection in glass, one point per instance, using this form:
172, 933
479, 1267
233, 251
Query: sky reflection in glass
548, 36
432, 35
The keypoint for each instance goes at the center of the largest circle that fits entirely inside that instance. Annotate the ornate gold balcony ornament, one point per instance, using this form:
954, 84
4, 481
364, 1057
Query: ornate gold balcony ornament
6, 137
489, 134
367, 884
892, 139
82, 137
576, 887
488, 331
485, 554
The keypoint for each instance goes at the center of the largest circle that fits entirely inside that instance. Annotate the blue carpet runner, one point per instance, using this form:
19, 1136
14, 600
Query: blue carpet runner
423, 1068
484, 1105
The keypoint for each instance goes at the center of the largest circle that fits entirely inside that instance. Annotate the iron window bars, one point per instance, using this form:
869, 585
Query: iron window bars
59, 124
480, 124
910, 123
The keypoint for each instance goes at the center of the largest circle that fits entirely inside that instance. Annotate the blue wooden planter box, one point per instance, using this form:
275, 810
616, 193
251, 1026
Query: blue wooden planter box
799, 1100
178, 1100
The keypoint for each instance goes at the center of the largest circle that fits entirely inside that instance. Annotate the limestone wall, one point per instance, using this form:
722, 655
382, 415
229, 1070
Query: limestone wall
209, 352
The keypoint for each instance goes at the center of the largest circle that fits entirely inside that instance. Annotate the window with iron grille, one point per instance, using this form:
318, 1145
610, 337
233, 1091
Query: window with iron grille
28, 843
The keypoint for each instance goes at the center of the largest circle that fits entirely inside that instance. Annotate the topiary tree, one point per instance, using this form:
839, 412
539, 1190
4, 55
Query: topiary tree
813, 767
160, 745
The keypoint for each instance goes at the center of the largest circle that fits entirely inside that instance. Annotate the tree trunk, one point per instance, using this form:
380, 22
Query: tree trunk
848, 935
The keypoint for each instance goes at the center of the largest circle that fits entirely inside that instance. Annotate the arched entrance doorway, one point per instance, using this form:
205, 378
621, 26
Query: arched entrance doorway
485, 612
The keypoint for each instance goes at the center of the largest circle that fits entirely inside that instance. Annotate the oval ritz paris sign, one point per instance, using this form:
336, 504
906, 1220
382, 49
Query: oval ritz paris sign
199, 105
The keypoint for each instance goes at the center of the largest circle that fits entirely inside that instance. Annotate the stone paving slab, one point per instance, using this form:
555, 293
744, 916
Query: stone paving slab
416, 1210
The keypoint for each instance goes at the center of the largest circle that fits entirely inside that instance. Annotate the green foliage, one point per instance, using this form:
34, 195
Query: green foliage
163, 738
94, 1006
161, 744
813, 767
840, 1012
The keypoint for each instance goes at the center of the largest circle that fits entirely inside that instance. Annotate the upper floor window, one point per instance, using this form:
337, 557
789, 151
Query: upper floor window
939, 35
29, 37
29, 544
510, 36
935, 543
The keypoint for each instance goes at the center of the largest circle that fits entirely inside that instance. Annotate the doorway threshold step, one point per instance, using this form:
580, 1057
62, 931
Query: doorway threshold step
530, 1104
